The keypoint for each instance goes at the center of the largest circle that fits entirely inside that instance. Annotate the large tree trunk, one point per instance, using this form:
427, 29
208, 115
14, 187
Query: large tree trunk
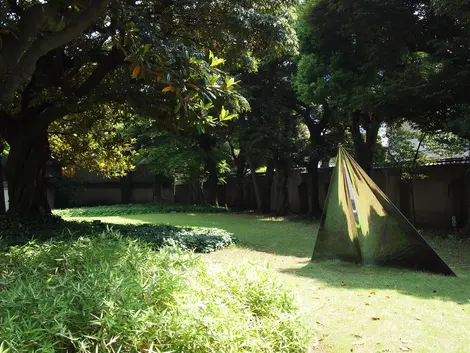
269, 184
207, 144
364, 144
314, 209
197, 192
365, 157
126, 189
25, 173
157, 188
258, 194
212, 183
317, 126
282, 173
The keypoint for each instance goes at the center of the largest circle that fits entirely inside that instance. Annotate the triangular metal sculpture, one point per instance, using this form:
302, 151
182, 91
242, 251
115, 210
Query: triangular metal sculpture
360, 224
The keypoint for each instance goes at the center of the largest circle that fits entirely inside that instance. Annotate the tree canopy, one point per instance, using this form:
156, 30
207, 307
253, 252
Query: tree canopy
63, 61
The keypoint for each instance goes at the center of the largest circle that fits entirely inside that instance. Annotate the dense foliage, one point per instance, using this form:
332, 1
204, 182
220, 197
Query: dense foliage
378, 62
202, 240
122, 210
110, 294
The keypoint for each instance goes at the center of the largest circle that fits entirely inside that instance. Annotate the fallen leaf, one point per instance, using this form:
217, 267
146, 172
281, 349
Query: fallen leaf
375, 318
373, 293
343, 283
434, 291
387, 297
351, 350
405, 349
367, 303
356, 335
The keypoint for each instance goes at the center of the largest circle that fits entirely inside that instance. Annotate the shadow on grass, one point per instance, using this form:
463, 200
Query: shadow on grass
202, 240
259, 233
270, 235
348, 276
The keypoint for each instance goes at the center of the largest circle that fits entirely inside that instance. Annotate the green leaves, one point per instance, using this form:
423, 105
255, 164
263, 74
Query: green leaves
109, 293
225, 116
99, 145
214, 61
195, 83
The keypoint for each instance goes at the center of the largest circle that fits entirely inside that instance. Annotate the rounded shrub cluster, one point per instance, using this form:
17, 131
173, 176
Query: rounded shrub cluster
201, 240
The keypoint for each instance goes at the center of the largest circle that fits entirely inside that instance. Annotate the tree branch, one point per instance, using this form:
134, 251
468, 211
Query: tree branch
16, 44
356, 129
25, 66
115, 58
232, 151
6, 121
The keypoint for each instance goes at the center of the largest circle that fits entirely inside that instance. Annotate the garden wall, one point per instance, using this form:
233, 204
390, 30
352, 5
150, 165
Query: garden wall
437, 198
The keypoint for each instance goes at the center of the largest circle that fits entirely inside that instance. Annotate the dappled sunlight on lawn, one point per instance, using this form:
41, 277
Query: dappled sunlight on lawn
276, 237
354, 308
407, 282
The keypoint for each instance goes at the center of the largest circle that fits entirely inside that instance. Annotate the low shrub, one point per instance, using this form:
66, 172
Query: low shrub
132, 209
112, 294
203, 240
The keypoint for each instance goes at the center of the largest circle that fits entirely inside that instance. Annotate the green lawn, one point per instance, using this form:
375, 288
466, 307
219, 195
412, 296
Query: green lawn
354, 308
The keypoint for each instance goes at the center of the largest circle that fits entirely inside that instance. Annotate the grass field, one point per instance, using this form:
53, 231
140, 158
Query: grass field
353, 308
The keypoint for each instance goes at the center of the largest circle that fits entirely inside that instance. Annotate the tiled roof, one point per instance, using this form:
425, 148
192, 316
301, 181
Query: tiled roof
444, 161
461, 160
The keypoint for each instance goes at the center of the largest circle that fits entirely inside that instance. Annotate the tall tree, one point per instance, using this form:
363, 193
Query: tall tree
380, 61
60, 59
269, 133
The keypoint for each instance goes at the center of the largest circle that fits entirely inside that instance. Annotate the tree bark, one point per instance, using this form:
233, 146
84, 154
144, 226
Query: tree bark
36, 39
365, 158
157, 188
364, 145
258, 194
314, 209
269, 184
239, 179
197, 194
316, 126
207, 144
126, 189
282, 173
25, 173
413, 169
212, 183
